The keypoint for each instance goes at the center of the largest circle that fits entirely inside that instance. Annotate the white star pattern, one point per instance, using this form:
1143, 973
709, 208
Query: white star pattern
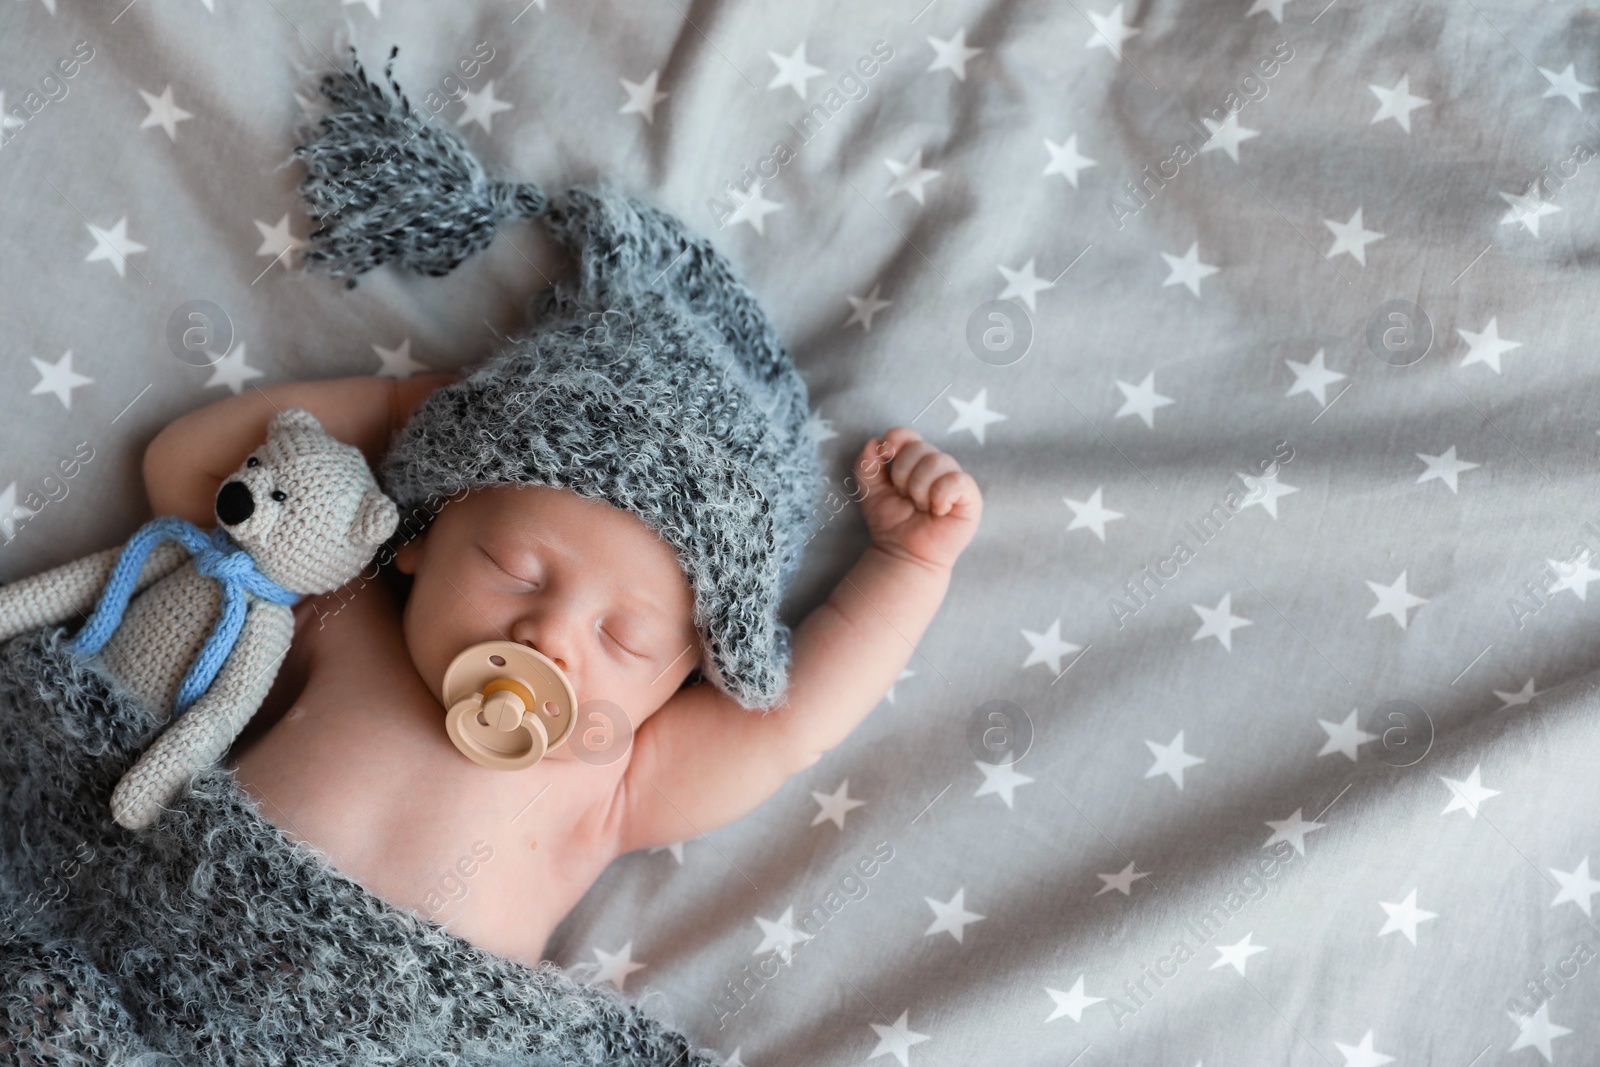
58, 378
1483, 549
1362, 1054
615, 966
780, 935
1266, 490
1404, 917
676, 848
1142, 399
973, 415
793, 71
113, 245
1394, 600
277, 240
397, 362
1065, 159
1001, 779
752, 208
1313, 378
896, 1040
480, 106
1187, 270
1023, 283
1109, 31
1528, 208
1048, 648
952, 55
1122, 881
863, 308
1072, 1002
1235, 955
1467, 795
1517, 697
1091, 514
1351, 237
910, 176
1444, 467
1486, 346
642, 97
951, 917
232, 370
1226, 137
1218, 622
8, 121
834, 805
1537, 1031
163, 113
1577, 582
1171, 759
1344, 737
1293, 830
1271, 7
11, 511
1397, 103
1576, 886
1566, 84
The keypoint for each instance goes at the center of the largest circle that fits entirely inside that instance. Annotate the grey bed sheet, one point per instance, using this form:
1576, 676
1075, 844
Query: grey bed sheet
1259, 725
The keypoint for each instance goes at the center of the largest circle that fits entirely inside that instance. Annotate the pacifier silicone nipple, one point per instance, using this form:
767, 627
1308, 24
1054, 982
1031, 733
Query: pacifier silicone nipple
508, 705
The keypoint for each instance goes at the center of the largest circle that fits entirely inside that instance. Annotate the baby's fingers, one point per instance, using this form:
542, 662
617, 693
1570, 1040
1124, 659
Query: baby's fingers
927, 471
872, 465
954, 491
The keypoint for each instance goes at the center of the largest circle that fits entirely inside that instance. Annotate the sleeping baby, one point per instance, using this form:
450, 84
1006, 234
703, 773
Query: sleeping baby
626, 489
349, 751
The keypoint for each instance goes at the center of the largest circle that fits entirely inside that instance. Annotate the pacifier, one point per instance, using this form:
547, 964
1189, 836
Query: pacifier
508, 705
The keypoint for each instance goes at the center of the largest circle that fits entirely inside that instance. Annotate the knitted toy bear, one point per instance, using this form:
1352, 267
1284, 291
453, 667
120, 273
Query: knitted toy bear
209, 619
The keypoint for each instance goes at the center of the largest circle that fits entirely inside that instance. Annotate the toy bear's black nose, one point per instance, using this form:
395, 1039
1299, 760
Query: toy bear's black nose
234, 503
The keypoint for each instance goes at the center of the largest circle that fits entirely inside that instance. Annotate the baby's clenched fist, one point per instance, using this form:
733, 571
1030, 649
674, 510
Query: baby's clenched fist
919, 504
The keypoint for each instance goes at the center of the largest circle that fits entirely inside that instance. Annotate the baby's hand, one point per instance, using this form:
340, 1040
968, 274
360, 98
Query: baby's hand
919, 503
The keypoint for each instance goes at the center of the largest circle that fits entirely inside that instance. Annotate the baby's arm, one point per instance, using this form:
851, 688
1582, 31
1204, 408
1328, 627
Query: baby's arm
186, 463
702, 761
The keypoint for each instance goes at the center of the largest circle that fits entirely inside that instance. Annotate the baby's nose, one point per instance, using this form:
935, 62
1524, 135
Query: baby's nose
551, 656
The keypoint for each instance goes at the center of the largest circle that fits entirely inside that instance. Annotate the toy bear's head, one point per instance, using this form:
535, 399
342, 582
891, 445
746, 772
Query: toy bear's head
306, 506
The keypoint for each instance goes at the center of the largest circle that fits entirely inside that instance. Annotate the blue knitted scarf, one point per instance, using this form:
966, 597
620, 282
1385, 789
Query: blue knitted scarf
216, 555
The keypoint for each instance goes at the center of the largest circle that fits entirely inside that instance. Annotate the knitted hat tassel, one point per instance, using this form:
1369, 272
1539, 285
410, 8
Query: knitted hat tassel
383, 184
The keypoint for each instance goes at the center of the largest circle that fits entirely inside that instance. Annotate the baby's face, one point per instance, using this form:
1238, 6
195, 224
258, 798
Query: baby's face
587, 584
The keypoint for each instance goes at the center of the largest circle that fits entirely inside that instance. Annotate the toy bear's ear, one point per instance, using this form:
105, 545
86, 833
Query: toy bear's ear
295, 418
375, 519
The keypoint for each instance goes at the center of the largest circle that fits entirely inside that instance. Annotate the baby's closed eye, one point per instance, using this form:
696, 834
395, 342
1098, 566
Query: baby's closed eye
503, 570
626, 644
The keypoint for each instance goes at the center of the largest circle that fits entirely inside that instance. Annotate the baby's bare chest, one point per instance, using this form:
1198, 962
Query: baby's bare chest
360, 767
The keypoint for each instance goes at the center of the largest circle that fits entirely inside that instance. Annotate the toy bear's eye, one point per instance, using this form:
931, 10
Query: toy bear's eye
252, 462
279, 495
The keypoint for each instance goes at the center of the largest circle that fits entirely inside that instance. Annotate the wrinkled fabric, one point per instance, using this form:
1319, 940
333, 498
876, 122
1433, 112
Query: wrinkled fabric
211, 937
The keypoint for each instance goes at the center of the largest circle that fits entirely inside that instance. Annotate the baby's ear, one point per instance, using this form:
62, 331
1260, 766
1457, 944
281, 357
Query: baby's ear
375, 519
409, 555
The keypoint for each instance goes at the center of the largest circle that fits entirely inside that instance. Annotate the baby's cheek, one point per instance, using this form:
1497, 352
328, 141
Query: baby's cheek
425, 634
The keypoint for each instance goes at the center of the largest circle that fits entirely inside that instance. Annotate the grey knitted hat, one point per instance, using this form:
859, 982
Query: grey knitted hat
655, 383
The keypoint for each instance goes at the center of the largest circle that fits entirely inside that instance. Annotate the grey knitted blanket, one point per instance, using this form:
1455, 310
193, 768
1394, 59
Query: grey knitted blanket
213, 938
